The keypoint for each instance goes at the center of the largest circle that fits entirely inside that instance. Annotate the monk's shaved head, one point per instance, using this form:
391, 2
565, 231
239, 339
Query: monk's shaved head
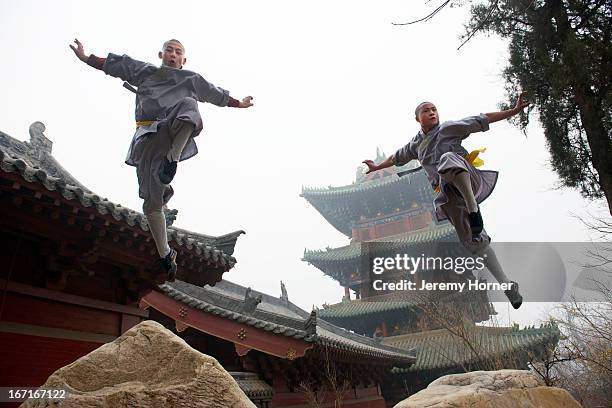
426, 114
419, 107
173, 40
173, 54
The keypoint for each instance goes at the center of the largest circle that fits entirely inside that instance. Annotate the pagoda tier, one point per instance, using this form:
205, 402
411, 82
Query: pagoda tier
440, 352
399, 312
385, 215
376, 207
343, 263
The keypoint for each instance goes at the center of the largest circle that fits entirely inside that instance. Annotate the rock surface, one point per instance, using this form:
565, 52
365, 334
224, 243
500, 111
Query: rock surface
497, 389
148, 366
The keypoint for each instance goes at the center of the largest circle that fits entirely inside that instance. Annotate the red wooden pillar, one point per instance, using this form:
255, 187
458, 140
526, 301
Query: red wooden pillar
383, 326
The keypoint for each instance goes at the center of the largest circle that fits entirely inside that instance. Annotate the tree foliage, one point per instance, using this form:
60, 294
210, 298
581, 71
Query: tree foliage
560, 52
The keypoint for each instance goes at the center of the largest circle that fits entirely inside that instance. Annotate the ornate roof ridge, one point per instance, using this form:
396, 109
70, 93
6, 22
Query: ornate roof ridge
289, 327
239, 290
37, 153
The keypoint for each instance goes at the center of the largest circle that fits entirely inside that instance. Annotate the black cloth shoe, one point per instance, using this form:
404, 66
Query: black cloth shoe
167, 171
169, 265
476, 223
513, 295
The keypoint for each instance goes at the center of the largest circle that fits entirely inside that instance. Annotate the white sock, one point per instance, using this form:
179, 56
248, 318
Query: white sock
492, 264
179, 141
157, 226
464, 185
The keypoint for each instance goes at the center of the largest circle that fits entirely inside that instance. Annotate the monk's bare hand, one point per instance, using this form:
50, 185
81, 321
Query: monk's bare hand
79, 51
521, 103
371, 166
246, 102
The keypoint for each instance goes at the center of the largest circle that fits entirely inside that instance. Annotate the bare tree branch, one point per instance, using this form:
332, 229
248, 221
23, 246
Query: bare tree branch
427, 17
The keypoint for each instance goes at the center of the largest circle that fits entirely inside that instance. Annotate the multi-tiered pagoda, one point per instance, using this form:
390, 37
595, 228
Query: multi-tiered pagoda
398, 213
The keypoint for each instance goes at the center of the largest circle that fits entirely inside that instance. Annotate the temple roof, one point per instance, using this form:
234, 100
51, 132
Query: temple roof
345, 206
279, 317
362, 314
440, 350
335, 262
33, 163
399, 300
252, 386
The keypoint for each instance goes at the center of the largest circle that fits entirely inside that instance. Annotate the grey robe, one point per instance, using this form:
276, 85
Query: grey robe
441, 155
167, 96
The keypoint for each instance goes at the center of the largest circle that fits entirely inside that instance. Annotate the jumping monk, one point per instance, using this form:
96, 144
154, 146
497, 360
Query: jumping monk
452, 173
167, 121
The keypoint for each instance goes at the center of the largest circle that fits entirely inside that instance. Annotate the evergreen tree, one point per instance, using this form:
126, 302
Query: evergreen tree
561, 54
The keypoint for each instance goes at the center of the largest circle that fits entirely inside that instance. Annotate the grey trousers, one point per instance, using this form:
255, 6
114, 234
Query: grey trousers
450, 204
151, 151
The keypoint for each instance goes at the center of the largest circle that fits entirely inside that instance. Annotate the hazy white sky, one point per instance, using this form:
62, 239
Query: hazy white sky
331, 80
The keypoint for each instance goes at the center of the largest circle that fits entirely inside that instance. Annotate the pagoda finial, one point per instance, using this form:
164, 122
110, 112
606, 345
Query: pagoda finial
380, 155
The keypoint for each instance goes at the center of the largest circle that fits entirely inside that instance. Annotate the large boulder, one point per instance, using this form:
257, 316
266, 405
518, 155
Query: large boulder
148, 366
497, 389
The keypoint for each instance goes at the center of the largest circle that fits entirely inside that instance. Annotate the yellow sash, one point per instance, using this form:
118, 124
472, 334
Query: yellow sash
140, 123
473, 159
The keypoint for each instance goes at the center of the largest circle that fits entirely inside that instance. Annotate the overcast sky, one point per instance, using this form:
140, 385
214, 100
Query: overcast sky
332, 81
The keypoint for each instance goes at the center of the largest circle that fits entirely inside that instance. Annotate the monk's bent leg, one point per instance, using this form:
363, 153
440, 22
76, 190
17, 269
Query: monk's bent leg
179, 140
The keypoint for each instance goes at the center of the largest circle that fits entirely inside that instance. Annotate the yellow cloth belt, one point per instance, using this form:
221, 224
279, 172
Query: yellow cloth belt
472, 158
140, 123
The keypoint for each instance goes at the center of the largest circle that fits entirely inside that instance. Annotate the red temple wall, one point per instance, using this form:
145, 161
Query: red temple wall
27, 361
30, 360
404, 225
24, 309
42, 330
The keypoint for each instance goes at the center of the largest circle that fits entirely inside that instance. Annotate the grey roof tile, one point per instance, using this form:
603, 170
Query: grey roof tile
280, 317
440, 349
39, 167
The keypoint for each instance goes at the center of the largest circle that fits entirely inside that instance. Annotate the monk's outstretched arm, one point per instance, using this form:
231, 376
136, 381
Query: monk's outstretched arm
389, 161
520, 105
98, 63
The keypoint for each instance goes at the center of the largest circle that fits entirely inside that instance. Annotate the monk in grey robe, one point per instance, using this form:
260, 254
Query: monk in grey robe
459, 185
167, 121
